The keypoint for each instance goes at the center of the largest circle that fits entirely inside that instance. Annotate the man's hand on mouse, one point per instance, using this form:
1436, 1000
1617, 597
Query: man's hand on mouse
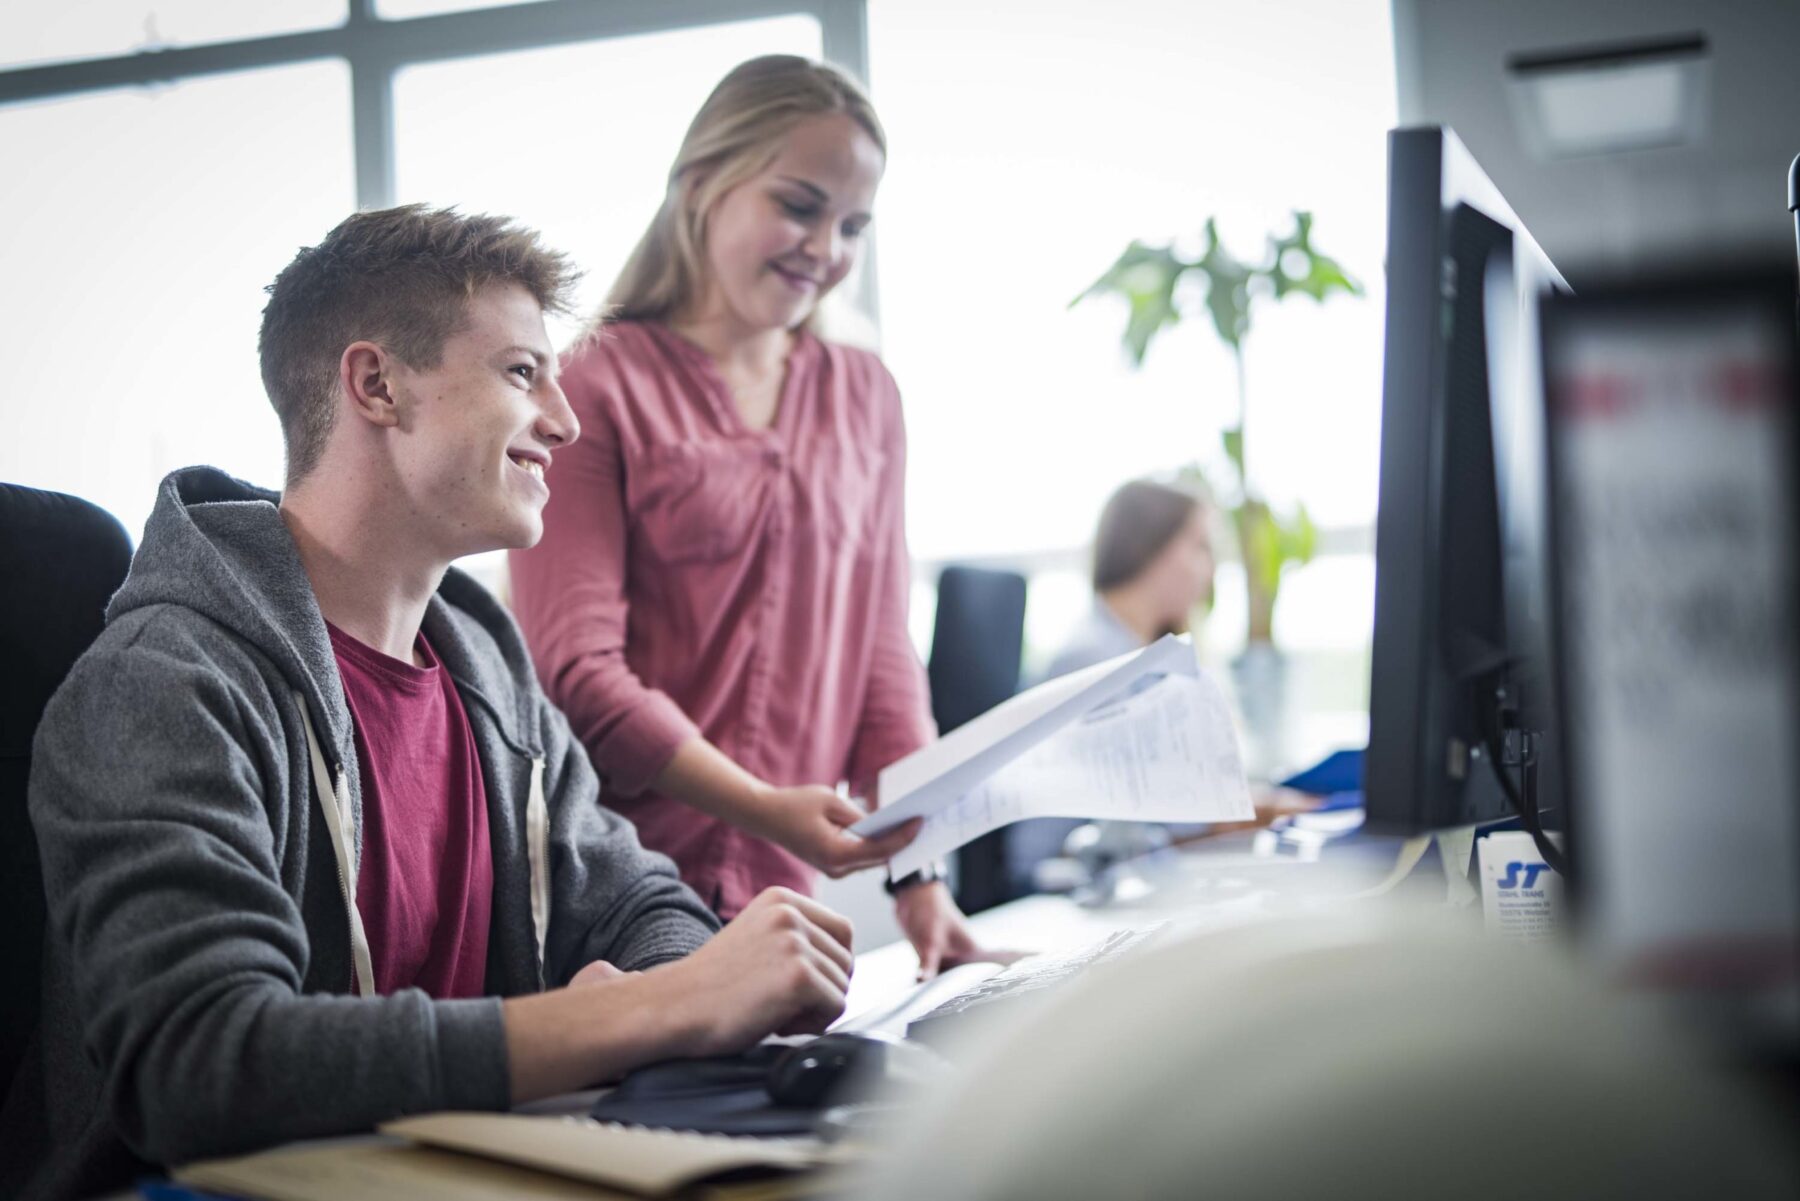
781, 966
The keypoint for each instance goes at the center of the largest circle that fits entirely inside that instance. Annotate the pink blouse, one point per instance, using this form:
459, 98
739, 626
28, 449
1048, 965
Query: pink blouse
699, 576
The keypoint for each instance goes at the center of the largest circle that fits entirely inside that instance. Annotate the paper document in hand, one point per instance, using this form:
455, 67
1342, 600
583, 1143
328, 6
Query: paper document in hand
1144, 737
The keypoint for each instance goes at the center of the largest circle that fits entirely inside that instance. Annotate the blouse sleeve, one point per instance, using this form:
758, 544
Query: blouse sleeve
896, 714
569, 597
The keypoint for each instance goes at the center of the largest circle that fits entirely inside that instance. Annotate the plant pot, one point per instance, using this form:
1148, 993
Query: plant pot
1260, 680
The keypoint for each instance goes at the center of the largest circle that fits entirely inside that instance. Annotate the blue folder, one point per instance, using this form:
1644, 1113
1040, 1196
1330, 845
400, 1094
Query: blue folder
1339, 773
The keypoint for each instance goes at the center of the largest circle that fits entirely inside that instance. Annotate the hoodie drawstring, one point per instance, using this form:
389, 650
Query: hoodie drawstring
537, 848
335, 802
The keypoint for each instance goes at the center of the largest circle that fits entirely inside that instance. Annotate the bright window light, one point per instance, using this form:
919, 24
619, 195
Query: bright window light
44, 31
1030, 141
135, 267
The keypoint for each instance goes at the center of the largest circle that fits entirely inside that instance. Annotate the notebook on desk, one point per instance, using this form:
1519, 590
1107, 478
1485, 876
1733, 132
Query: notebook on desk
651, 1163
482, 1156
367, 1169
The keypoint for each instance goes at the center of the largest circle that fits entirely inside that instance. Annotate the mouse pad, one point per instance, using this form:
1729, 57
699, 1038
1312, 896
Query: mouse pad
725, 1095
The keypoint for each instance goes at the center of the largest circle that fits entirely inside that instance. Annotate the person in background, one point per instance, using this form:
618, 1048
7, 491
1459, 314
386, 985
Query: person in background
317, 850
1153, 565
719, 600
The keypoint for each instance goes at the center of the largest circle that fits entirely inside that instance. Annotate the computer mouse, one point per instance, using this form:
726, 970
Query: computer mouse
832, 1068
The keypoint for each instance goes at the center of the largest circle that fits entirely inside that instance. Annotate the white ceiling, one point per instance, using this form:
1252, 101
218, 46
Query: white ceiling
1725, 194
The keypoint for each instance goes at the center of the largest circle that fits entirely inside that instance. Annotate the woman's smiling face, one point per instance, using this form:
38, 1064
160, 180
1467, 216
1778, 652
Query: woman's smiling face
777, 243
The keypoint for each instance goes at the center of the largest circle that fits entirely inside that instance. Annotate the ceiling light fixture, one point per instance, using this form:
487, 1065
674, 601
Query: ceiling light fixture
1606, 99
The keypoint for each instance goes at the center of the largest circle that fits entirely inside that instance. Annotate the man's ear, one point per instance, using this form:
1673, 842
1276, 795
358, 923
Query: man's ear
365, 379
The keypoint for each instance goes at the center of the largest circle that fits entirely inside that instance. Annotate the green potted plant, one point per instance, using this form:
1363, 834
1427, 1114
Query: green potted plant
1147, 277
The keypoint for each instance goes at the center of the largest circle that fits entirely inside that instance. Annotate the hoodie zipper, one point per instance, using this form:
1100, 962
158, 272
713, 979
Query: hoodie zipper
537, 823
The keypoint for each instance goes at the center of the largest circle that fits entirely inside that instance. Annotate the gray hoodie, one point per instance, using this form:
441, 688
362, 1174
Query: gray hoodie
203, 943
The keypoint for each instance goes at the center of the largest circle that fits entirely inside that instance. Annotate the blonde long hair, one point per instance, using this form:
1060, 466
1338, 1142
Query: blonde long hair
735, 135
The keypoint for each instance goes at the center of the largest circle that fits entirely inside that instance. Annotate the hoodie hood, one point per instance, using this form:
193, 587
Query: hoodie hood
217, 546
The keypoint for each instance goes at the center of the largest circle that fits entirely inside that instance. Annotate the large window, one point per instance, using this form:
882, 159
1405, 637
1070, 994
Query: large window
48, 31
1030, 141
153, 195
142, 227
164, 160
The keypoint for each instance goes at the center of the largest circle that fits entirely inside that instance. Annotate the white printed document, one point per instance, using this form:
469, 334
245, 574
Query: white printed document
1144, 737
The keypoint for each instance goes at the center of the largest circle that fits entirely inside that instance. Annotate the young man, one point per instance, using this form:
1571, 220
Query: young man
317, 851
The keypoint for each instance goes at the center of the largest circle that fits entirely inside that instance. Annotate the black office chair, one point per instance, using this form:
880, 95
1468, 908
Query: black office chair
62, 559
976, 647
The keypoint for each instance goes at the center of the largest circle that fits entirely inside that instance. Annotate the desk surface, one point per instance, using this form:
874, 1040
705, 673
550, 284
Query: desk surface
1210, 885
1224, 884
881, 976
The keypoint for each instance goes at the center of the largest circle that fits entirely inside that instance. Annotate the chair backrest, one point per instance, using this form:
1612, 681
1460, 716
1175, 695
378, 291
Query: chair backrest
61, 560
976, 643
976, 647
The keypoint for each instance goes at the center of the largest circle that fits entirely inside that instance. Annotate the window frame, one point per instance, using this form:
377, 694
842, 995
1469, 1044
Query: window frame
377, 48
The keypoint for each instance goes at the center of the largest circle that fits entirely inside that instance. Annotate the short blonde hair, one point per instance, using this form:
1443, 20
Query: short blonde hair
735, 135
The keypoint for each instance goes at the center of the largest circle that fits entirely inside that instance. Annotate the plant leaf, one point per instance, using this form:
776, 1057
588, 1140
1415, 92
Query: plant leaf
1227, 289
1261, 544
1234, 448
1145, 276
1298, 537
1294, 266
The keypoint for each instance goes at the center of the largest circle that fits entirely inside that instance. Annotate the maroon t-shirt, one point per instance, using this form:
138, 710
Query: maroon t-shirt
426, 882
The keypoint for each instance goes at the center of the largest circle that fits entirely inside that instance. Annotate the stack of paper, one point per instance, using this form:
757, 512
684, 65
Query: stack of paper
1144, 737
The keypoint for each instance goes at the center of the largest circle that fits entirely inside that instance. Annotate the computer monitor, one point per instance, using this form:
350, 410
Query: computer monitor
1673, 397
1460, 663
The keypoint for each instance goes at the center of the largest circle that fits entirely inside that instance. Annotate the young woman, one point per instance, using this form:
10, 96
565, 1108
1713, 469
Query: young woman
719, 600
1153, 565
1153, 562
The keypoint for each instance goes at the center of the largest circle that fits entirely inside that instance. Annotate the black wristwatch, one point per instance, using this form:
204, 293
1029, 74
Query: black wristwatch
925, 875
